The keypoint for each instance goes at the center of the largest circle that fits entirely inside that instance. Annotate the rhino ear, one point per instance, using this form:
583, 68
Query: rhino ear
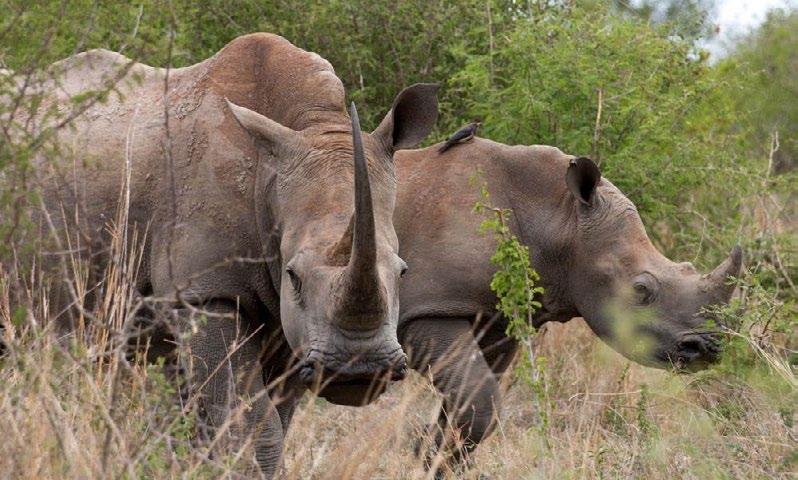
411, 118
276, 136
583, 177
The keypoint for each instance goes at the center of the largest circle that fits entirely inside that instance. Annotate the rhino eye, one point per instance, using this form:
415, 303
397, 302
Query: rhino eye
645, 289
403, 270
296, 283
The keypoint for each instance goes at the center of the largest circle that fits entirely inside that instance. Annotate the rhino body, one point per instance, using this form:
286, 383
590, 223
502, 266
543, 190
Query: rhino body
255, 199
586, 241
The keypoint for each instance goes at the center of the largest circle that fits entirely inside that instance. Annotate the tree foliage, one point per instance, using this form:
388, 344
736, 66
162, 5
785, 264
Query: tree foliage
762, 70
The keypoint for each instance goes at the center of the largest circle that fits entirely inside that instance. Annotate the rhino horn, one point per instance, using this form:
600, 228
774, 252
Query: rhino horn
364, 242
361, 280
717, 281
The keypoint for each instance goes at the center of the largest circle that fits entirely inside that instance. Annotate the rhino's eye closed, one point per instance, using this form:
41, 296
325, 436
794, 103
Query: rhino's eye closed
296, 283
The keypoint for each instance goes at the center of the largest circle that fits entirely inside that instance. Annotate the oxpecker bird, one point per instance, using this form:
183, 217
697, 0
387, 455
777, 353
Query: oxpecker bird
461, 136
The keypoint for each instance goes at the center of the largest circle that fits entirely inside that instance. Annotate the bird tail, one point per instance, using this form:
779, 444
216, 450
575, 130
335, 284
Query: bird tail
444, 147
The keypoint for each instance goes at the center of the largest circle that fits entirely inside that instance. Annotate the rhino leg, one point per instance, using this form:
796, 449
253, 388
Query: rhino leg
498, 348
285, 394
226, 368
286, 408
446, 350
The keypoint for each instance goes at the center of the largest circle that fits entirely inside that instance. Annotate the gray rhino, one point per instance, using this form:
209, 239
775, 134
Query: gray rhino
257, 201
586, 241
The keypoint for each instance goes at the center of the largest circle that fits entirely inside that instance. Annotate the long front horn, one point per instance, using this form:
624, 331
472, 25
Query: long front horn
716, 281
361, 281
364, 242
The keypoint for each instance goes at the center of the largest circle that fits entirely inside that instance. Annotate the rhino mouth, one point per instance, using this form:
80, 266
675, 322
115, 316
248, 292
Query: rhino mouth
692, 352
353, 383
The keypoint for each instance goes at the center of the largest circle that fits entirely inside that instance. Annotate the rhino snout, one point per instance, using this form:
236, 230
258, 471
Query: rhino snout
355, 382
335, 372
694, 352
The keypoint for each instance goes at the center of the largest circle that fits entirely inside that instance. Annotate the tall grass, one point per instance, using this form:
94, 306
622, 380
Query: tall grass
88, 409
608, 419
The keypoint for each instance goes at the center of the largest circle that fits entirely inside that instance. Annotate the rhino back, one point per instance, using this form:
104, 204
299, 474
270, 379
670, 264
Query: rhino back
449, 261
439, 236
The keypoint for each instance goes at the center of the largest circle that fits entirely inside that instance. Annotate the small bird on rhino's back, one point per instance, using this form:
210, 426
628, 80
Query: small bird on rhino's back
463, 135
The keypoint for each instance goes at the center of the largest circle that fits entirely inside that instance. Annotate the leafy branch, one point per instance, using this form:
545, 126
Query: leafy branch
516, 285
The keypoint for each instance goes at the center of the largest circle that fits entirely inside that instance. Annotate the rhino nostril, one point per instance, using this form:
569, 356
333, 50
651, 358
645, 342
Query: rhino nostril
692, 347
399, 370
694, 350
307, 373
687, 351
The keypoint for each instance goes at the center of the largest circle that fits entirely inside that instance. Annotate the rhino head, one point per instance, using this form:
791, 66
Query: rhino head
647, 307
339, 268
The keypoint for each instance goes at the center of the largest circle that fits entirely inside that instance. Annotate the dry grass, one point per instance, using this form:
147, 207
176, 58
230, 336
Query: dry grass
608, 419
74, 413
86, 411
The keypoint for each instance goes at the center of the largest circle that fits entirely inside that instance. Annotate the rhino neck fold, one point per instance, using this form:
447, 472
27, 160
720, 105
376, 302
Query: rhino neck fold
544, 222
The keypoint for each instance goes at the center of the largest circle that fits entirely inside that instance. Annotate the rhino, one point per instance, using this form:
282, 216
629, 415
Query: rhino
586, 241
256, 201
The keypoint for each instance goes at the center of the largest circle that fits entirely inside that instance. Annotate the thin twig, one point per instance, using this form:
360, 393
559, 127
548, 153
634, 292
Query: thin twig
597, 128
491, 45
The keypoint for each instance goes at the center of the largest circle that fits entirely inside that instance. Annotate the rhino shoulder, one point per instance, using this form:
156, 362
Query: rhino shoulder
98, 62
256, 45
267, 73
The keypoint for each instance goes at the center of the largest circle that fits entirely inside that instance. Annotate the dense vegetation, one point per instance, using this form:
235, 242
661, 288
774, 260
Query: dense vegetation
706, 148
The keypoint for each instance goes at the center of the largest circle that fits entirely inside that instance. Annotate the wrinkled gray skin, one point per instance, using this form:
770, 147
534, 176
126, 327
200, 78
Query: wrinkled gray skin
259, 221
588, 244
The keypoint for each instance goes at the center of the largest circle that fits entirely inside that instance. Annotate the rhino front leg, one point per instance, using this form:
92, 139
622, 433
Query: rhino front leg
226, 372
285, 392
446, 350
